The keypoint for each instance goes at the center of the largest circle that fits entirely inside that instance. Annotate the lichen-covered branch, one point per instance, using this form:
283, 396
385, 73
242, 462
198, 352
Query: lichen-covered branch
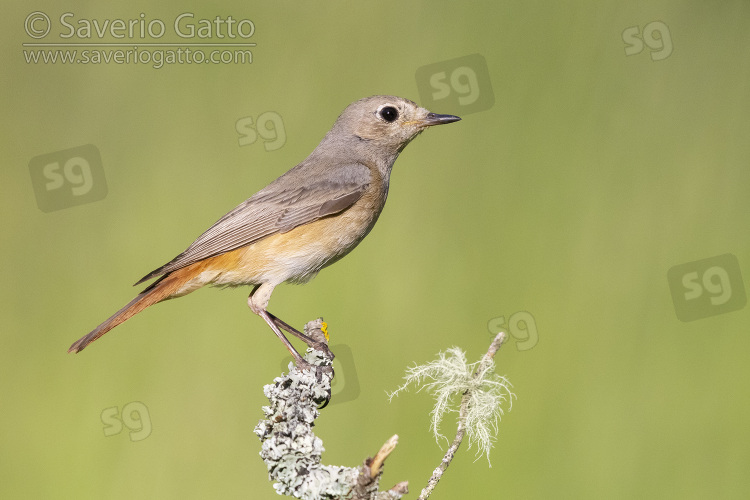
291, 450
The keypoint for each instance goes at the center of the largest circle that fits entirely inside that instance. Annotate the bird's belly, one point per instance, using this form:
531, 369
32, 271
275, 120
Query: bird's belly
295, 256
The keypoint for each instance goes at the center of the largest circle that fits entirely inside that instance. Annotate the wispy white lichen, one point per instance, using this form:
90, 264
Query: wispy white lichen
474, 385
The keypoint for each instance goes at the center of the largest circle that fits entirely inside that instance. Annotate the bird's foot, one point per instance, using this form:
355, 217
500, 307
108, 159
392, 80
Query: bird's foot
320, 354
322, 372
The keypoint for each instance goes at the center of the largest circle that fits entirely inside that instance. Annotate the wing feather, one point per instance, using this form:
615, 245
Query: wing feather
276, 209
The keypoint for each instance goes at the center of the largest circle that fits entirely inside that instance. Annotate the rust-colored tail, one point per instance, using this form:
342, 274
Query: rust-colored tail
157, 292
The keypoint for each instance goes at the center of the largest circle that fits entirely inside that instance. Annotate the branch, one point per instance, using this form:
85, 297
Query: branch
291, 450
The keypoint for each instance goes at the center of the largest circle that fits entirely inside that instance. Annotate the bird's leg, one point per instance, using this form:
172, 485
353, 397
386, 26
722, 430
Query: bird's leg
298, 360
258, 301
320, 346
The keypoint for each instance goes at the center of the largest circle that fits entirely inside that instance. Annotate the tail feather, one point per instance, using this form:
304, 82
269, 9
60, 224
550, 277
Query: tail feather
155, 293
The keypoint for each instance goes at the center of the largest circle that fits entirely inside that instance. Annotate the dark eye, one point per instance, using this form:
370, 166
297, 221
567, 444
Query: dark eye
389, 114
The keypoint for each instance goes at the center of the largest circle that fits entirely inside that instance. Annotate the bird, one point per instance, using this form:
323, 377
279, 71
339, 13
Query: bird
305, 220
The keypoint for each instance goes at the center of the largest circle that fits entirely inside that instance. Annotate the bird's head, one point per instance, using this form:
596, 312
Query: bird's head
387, 122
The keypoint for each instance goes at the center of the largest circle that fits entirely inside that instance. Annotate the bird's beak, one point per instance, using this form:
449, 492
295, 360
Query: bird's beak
436, 119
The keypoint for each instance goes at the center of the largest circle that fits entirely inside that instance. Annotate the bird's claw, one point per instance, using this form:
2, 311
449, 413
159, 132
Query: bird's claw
320, 372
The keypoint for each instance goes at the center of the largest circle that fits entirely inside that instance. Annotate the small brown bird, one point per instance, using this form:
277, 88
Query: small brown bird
305, 220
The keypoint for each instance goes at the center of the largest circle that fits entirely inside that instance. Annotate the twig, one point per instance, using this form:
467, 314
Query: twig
438, 473
385, 450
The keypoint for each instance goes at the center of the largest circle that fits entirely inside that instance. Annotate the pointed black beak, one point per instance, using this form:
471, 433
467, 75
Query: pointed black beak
436, 119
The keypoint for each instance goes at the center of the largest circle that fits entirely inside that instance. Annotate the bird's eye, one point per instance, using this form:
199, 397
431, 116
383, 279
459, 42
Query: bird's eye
389, 114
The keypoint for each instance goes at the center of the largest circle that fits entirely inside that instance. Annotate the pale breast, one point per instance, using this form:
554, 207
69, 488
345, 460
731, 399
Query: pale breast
298, 255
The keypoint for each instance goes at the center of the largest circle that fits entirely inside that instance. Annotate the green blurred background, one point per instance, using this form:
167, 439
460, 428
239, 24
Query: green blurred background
592, 174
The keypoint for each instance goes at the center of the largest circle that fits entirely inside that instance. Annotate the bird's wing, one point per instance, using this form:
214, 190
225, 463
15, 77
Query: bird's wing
276, 209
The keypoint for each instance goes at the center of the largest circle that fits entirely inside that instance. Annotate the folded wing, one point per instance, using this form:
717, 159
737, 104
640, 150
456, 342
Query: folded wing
273, 210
